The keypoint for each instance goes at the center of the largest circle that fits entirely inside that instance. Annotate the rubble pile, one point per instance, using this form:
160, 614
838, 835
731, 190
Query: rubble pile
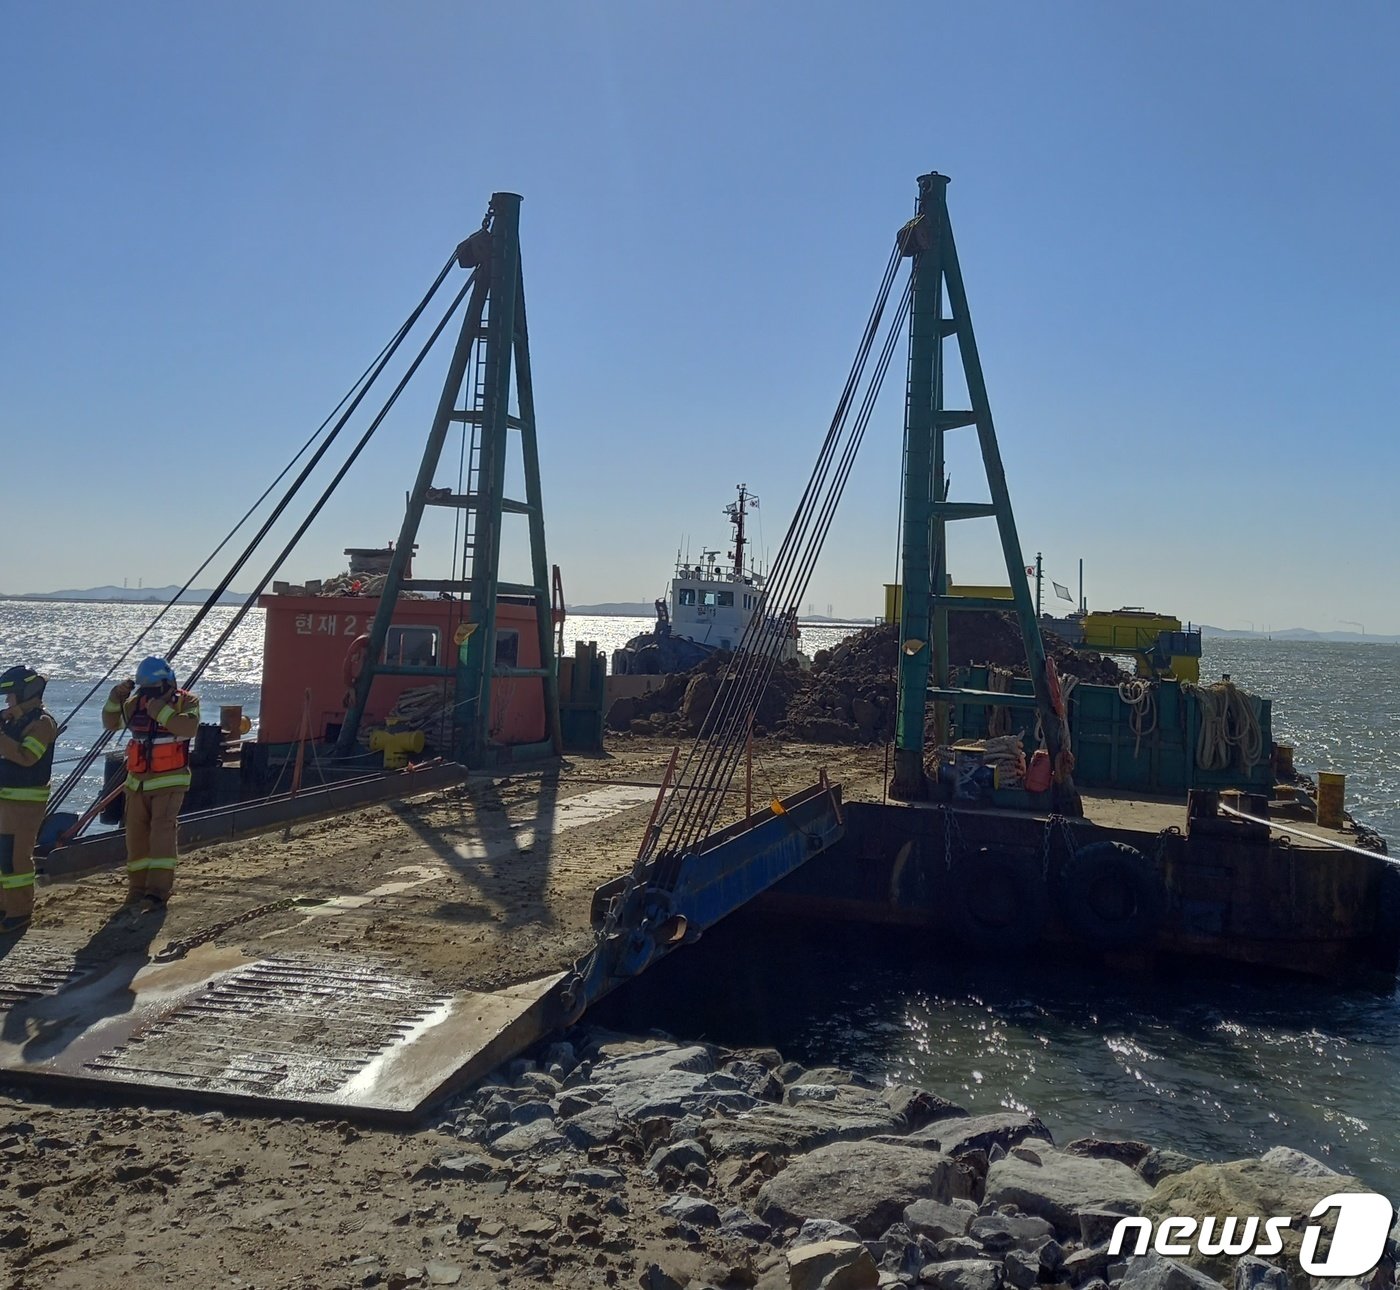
850, 694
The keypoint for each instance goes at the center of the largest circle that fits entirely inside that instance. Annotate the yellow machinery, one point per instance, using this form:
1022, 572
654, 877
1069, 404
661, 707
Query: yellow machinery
1157, 642
396, 746
894, 597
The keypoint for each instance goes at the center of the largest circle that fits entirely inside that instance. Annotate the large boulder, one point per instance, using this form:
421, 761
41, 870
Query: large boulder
937, 1221
832, 1265
1153, 1272
677, 1094
961, 1135
624, 1060
622, 713
962, 1274
699, 698
1061, 1185
815, 1114
866, 1185
1284, 1182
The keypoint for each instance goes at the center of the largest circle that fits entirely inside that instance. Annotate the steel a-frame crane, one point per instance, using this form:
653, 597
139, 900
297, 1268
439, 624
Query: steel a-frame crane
491, 358
924, 673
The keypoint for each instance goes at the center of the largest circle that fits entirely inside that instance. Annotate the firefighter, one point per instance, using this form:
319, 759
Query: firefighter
27, 736
161, 720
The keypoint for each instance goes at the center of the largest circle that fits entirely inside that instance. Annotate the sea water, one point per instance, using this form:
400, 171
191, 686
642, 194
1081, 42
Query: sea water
1212, 1064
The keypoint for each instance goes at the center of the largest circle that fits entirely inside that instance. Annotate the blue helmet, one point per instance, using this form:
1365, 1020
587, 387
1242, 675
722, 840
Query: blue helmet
154, 671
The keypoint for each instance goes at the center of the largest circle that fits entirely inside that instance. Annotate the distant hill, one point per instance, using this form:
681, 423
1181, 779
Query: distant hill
1295, 634
130, 595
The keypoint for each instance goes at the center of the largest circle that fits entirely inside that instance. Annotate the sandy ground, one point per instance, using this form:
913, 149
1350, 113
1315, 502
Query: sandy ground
476, 887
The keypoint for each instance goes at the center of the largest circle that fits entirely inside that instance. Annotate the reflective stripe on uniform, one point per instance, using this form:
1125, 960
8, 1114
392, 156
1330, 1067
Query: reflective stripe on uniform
111, 706
38, 794
164, 862
14, 881
137, 866
174, 779
36, 746
164, 715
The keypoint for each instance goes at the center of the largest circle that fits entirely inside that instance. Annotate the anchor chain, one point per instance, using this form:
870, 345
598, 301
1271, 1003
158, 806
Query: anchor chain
951, 829
1062, 825
177, 949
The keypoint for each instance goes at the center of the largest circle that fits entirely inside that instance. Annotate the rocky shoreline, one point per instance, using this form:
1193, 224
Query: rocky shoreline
765, 1174
603, 1160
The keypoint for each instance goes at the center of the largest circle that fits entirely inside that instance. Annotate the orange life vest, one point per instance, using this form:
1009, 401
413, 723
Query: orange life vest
153, 749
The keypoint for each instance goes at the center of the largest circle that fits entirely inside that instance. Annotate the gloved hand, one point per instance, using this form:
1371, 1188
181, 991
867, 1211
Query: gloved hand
121, 692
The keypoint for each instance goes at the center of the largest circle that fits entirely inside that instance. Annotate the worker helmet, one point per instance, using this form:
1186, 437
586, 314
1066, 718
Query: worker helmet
23, 682
154, 671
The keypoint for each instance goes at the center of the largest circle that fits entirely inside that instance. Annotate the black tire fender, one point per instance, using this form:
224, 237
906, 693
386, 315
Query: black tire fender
1112, 895
998, 898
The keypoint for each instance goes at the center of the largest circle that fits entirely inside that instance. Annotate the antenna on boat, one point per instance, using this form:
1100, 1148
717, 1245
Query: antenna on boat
736, 512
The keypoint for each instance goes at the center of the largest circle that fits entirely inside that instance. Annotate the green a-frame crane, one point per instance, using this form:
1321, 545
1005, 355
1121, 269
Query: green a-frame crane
491, 358
924, 673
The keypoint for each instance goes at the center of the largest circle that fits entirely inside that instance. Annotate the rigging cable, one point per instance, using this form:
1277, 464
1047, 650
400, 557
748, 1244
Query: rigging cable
227, 538
696, 801
355, 396
753, 681
330, 488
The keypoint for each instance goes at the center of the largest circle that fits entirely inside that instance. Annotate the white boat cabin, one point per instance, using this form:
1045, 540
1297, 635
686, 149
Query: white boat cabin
711, 604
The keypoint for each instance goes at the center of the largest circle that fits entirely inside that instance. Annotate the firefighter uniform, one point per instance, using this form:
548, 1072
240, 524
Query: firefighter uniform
161, 721
27, 737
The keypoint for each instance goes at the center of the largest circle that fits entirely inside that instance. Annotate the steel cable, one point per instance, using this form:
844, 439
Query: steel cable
732, 732
694, 781
383, 354
354, 396
749, 674
330, 488
696, 801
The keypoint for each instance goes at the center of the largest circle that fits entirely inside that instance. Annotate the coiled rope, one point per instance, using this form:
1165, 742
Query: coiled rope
1141, 699
1229, 725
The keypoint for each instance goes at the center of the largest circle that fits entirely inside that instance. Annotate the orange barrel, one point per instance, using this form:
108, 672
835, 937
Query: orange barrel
1331, 794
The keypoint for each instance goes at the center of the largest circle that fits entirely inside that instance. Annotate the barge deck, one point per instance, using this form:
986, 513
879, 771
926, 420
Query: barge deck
367, 965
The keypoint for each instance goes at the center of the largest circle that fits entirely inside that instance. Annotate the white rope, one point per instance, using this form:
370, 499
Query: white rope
1140, 698
1229, 723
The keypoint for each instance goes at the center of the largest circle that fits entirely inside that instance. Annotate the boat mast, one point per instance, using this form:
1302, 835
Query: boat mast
736, 518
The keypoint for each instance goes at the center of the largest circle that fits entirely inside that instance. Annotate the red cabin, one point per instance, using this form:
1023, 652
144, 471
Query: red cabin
308, 642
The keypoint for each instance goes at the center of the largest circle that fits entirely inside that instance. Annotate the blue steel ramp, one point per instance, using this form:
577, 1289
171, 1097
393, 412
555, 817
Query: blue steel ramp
671, 900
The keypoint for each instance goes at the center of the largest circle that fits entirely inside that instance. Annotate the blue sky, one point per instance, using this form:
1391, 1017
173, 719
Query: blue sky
1176, 225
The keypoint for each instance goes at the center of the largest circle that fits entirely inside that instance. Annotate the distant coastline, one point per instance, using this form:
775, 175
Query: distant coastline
123, 596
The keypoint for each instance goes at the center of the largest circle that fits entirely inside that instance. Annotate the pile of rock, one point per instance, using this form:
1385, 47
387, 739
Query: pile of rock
786, 1178
850, 694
